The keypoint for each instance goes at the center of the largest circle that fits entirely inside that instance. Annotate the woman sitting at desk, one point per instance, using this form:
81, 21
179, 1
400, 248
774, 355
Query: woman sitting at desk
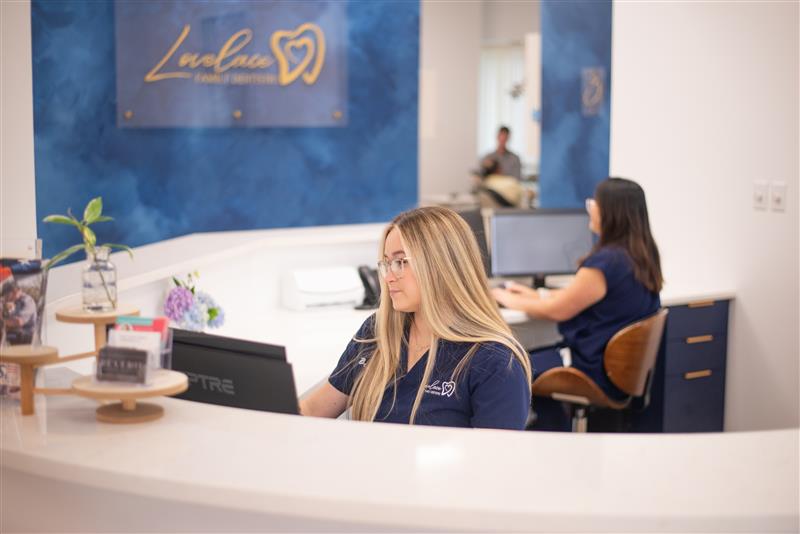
437, 351
616, 284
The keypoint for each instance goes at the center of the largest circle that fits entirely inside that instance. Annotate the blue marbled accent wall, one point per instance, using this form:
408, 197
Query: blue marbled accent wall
162, 183
576, 99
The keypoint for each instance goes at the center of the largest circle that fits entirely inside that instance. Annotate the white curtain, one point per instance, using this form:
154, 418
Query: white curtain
502, 69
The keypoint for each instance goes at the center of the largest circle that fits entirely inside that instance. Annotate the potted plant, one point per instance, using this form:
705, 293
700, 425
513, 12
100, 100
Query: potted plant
99, 275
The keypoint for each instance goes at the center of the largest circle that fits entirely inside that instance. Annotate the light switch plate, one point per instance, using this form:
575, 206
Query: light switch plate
777, 196
760, 195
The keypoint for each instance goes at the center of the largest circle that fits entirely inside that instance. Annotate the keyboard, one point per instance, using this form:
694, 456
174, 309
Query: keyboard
513, 316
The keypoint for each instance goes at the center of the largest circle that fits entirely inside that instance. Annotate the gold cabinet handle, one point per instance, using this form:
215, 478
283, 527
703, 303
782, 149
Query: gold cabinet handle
699, 339
697, 374
701, 304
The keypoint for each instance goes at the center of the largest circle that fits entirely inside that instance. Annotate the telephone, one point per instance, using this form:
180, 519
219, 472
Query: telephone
372, 288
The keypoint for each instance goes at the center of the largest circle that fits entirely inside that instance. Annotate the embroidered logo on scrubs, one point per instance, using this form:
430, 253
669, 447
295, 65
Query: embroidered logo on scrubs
446, 389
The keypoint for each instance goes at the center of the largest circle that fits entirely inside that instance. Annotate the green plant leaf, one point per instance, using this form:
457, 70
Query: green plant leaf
93, 210
212, 313
64, 254
103, 218
126, 248
88, 236
59, 219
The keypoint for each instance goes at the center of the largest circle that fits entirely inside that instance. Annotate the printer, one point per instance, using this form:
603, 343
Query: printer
308, 289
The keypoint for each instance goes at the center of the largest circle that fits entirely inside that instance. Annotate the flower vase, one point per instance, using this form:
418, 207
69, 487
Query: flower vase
99, 282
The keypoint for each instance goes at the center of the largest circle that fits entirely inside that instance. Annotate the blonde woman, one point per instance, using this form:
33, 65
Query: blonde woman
437, 351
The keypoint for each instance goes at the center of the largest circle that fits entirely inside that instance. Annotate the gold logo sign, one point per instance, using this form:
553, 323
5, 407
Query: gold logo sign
298, 53
285, 43
592, 90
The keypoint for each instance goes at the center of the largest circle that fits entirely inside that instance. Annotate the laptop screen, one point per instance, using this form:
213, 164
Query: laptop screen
234, 372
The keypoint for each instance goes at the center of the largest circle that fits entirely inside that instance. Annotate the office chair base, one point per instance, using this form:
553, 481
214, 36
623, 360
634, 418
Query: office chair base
580, 423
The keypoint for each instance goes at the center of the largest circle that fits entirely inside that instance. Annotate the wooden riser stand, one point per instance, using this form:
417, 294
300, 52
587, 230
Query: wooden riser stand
29, 357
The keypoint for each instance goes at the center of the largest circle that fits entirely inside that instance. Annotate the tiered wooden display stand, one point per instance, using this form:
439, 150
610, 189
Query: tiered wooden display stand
28, 357
163, 382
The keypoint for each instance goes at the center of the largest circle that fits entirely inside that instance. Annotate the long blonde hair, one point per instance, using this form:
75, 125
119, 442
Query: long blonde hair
455, 300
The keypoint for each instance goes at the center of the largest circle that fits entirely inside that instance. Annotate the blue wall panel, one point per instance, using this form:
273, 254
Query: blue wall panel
162, 183
576, 113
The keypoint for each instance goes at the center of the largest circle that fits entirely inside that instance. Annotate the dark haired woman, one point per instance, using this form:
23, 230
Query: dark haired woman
616, 284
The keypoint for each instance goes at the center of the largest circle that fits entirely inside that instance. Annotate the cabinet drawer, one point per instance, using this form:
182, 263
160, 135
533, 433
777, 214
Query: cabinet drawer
694, 405
688, 321
707, 352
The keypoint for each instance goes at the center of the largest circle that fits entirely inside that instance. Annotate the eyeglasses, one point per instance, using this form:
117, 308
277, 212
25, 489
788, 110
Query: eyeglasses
396, 266
590, 204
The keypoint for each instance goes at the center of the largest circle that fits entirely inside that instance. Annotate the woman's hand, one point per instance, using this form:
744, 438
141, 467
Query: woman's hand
514, 300
587, 288
521, 289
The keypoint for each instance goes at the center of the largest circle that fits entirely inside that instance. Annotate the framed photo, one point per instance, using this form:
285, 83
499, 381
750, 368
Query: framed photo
23, 286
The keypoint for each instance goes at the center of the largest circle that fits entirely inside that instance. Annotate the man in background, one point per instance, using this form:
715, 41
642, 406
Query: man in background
507, 162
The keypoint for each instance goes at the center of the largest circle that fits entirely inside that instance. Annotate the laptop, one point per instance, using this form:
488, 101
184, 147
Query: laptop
234, 372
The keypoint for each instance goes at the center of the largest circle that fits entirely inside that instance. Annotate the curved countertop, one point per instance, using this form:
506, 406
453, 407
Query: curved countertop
248, 468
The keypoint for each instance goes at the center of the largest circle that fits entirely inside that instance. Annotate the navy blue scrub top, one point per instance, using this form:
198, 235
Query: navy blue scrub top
492, 392
626, 302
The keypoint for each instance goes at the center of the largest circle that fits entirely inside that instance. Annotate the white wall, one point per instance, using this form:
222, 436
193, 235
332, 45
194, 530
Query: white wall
705, 101
507, 21
450, 41
17, 192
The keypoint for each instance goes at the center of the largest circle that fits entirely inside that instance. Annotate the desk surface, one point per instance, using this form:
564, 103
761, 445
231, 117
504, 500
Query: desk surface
244, 466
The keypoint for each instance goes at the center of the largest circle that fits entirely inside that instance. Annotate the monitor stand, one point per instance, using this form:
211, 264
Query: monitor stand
538, 281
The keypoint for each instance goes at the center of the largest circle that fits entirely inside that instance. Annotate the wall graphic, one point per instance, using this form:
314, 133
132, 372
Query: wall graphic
166, 182
576, 100
199, 63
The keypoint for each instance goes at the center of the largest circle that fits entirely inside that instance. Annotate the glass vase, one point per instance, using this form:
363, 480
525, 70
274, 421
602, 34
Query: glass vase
99, 282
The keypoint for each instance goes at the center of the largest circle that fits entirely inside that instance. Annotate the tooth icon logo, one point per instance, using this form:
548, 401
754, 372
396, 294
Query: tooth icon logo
300, 52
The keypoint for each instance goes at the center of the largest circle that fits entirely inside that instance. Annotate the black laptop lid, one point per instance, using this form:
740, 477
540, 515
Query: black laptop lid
234, 372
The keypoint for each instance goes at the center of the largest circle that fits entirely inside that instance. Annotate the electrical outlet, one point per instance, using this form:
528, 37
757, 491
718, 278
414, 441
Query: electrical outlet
760, 195
777, 196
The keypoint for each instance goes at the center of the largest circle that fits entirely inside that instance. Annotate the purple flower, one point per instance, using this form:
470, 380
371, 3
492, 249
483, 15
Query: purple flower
178, 301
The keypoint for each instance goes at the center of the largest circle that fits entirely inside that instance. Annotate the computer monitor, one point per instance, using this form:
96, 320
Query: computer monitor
234, 372
474, 219
538, 242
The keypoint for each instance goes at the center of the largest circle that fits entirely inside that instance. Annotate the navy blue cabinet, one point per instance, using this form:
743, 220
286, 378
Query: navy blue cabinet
688, 391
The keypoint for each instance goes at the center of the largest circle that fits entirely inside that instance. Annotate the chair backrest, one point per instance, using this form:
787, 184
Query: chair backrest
631, 354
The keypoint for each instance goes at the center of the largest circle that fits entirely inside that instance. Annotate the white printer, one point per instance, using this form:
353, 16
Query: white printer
307, 289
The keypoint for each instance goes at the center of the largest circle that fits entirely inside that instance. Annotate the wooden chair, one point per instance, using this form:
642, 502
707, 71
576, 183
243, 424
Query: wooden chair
629, 361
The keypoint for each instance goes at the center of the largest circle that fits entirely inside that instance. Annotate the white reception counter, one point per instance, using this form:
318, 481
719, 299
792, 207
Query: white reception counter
205, 468
210, 468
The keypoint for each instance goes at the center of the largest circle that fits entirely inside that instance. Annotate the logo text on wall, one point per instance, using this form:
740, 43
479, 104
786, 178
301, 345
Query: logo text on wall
297, 54
231, 64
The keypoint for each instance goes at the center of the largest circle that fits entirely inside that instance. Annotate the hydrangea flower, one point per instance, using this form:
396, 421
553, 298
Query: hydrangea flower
216, 315
191, 309
178, 301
